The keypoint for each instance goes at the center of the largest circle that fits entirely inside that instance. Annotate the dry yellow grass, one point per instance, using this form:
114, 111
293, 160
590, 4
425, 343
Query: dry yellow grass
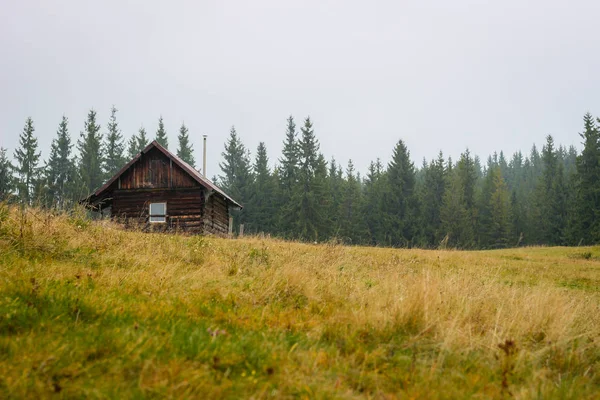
90, 310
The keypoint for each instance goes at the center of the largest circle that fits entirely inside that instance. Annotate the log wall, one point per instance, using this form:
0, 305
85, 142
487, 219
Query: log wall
216, 216
154, 171
185, 208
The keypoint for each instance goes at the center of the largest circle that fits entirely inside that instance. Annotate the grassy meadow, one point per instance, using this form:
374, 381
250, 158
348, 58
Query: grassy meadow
88, 310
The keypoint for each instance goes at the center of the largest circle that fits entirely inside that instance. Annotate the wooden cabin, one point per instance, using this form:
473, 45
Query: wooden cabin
158, 191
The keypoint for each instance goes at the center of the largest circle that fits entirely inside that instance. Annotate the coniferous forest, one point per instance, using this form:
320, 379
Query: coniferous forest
549, 195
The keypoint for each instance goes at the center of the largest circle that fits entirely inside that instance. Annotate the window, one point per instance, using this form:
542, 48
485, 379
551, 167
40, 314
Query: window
158, 212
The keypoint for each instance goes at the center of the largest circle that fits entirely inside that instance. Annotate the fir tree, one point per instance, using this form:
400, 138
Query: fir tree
60, 172
517, 219
232, 156
161, 134
372, 207
467, 174
322, 196
142, 139
185, 150
587, 183
432, 197
262, 206
288, 178
237, 177
132, 147
114, 147
499, 230
352, 228
485, 211
551, 197
309, 190
91, 155
336, 193
27, 158
456, 223
6, 176
402, 211
137, 143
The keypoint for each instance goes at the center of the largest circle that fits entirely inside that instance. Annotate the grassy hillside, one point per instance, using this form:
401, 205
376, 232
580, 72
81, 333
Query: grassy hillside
88, 310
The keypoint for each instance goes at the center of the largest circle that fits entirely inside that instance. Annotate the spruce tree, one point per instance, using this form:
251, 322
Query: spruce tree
352, 227
288, 178
234, 152
432, 197
6, 176
372, 207
185, 150
466, 170
322, 196
27, 159
237, 174
517, 220
261, 209
485, 211
114, 147
60, 172
161, 134
336, 193
91, 155
456, 222
587, 206
551, 197
401, 203
137, 143
499, 228
308, 193
132, 147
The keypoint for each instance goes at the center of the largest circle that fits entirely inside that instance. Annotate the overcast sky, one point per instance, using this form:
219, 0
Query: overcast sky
441, 75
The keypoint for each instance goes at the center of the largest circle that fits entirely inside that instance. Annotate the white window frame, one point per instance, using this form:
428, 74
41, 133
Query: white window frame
163, 217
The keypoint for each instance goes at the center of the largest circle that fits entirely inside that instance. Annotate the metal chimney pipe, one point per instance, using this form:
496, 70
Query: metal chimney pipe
204, 157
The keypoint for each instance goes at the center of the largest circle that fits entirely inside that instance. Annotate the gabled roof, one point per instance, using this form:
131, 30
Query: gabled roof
202, 180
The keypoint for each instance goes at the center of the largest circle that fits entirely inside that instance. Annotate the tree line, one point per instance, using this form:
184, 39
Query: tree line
69, 174
546, 197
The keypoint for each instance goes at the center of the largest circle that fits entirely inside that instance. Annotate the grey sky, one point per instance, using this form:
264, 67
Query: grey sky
438, 74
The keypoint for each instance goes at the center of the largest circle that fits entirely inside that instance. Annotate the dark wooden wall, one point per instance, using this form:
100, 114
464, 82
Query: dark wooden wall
154, 171
216, 216
185, 208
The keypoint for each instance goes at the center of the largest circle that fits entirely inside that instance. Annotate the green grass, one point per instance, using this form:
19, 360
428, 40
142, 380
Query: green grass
88, 310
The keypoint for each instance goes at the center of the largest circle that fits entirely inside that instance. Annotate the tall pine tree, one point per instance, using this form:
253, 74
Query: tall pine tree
161, 134
372, 207
499, 231
309, 191
432, 197
60, 172
237, 175
137, 143
551, 197
262, 206
401, 203
91, 155
27, 168
352, 224
6, 176
114, 147
587, 229
185, 150
288, 177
